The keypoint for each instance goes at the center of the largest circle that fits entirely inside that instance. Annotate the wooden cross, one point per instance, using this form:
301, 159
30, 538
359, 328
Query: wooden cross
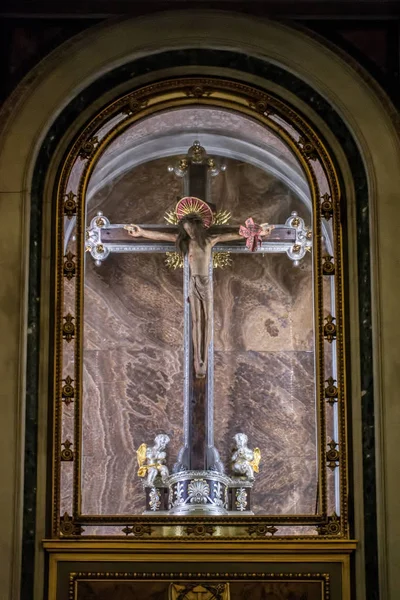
103, 238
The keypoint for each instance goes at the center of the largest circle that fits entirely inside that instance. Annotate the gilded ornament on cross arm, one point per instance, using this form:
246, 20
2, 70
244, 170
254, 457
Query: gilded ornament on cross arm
330, 329
69, 265
331, 391
68, 328
100, 222
295, 222
174, 260
221, 260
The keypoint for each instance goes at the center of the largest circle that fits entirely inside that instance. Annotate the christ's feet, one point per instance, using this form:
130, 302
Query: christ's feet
201, 371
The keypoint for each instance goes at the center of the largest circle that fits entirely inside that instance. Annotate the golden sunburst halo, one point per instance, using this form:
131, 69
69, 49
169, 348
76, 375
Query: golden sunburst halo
190, 205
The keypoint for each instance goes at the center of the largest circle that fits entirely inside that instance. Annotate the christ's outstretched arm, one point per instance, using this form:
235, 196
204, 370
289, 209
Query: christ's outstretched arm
232, 237
150, 234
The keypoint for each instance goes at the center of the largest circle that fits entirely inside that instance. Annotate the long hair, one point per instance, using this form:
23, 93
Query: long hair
199, 231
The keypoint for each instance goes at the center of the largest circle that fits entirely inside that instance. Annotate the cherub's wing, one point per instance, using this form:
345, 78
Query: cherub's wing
141, 454
256, 460
141, 458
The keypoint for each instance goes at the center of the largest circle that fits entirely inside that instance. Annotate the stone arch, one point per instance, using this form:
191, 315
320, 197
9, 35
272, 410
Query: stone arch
56, 91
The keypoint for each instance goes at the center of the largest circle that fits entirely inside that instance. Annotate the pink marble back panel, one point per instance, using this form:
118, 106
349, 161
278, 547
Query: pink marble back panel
133, 358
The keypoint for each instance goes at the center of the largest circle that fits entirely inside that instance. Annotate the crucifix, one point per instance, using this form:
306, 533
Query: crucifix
194, 236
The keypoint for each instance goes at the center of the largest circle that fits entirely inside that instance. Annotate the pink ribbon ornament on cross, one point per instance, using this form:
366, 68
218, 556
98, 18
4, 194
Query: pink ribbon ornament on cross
251, 232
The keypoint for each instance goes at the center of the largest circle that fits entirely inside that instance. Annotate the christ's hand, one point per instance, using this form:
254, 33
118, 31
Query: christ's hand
134, 230
266, 229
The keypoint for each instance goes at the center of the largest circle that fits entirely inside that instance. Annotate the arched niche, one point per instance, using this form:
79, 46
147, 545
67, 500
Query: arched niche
34, 108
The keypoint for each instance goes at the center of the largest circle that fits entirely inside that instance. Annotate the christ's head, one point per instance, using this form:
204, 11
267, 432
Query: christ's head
191, 227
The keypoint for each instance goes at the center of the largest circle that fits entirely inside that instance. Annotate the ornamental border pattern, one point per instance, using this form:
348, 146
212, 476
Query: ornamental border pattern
260, 105
75, 577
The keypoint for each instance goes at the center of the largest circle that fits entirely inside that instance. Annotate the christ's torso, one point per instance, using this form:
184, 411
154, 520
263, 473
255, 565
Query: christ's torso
199, 258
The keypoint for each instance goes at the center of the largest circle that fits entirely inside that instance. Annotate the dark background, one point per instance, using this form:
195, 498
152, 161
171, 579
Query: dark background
367, 30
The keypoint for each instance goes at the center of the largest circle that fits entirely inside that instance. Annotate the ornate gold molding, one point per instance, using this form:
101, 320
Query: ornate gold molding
308, 147
322, 579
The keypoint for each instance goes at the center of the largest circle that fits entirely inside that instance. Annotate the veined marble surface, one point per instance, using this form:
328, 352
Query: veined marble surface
133, 359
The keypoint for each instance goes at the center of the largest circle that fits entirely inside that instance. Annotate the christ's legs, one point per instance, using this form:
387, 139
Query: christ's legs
206, 310
197, 318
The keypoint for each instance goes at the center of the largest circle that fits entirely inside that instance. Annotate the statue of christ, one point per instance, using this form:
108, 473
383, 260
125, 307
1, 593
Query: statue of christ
194, 240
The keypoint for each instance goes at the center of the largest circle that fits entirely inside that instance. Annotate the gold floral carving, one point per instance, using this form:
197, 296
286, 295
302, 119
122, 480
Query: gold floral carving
331, 527
68, 526
68, 391
67, 454
88, 148
200, 530
221, 260
330, 329
328, 268
174, 260
70, 205
261, 106
261, 530
196, 591
134, 106
326, 207
198, 91
332, 456
308, 148
137, 530
68, 328
69, 266
331, 391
